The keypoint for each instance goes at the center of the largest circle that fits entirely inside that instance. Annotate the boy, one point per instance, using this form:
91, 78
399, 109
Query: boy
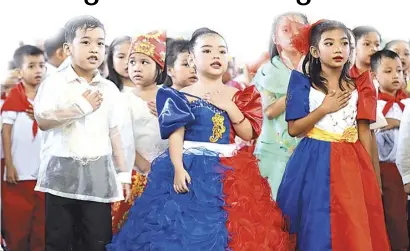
83, 121
387, 70
55, 52
23, 208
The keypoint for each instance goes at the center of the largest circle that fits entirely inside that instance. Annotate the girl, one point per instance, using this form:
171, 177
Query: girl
402, 48
368, 41
274, 146
117, 63
329, 189
146, 71
203, 193
181, 73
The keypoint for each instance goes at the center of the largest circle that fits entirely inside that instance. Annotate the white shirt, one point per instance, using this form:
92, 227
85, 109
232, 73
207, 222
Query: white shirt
80, 154
25, 148
380, 119
403, 144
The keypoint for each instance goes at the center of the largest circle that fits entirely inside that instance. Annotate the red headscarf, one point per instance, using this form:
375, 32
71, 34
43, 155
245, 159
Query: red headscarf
153, 45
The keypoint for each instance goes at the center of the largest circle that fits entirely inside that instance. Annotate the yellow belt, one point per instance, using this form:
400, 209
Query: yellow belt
349, 135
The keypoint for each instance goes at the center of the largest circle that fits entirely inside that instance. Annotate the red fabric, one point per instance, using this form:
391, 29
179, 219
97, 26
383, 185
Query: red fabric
249, 101
367, 102
356, 210
301, 41
23, 216
395, 206
17, 101
3, 96
119, 210
400, 95
254, 219
152, 44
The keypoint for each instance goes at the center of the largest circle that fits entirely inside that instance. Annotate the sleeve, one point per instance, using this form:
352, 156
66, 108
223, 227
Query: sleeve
8, 117
173, 110
403, 146
50, 112
297, 99
121, 136
380, 119
367, 102
250, 104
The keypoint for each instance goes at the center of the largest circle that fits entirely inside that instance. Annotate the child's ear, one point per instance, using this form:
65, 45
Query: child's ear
373, 74
170, 72
314, 51
67, 49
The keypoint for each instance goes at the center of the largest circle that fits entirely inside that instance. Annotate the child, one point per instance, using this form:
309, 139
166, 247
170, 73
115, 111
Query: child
387, 69
204, 194
329, 189
54, 50
23, 208
368, 41
146, 71
181, 72
274, 146
402, 48
83, 122
117, 63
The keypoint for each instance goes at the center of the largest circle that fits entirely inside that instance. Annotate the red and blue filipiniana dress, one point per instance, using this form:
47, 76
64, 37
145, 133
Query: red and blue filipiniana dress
228, 206
329, 189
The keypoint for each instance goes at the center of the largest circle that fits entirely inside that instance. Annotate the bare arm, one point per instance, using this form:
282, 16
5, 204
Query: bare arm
176, 144
276, 108
305, 124
143, 165
7, 129
242, 126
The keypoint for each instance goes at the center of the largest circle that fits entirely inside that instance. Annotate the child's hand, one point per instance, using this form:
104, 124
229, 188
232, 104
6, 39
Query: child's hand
334, 102
30, 112
218, 100
391, 124
95, 99
127, 188
12, 176
152, 106
181, 178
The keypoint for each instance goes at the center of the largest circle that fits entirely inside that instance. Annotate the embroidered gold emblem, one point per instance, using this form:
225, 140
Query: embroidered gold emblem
350, 135
219, 128
145, 48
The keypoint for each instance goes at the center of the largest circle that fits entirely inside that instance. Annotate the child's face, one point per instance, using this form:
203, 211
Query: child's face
211, 55
33, 69
403, 49
334, 48
287, 27
120, 59
142, 69
183, 73
366, 46
389, 74
352, 57
88, 49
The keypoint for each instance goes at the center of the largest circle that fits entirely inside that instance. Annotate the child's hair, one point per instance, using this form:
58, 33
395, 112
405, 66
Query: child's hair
112, 74
25, 50
51, 45
199, 33
393, 42
314, 65
80, 22
273, 50
174, 48
361, 31
377, 57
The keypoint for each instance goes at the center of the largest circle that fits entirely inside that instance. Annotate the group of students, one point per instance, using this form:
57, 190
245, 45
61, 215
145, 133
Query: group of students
149, 157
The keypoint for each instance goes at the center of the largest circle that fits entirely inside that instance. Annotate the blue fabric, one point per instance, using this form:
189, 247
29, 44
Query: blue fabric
304, 194
161, 219
297, 99
173, 111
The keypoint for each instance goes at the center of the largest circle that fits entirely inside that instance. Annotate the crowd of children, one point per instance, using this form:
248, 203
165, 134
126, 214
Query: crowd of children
150, 143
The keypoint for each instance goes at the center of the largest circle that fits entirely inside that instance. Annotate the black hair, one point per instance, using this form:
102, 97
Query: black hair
361, 31
80, 22
314, 65
391, 43
377, 57
199, 33
161, 75
112, 74
52, 44
174, 48
25, 50
273, 50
